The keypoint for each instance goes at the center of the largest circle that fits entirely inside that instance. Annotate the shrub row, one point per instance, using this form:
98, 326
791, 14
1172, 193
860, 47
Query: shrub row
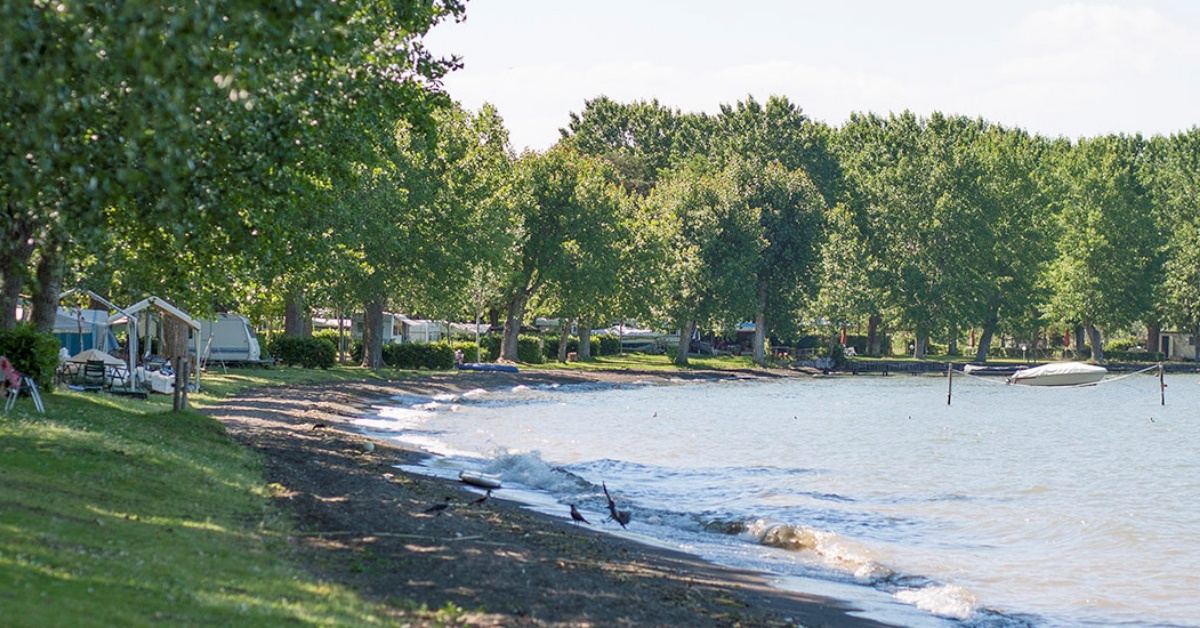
310, 352
32, 353
419, 355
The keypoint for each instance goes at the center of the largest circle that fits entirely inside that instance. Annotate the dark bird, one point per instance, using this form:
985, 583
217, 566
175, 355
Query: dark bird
320, 426
438, 509
578, 517
620, 516
482, 499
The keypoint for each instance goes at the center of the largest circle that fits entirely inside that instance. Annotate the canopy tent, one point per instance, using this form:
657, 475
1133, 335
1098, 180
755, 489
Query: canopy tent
81, 329
133, 337
165, 308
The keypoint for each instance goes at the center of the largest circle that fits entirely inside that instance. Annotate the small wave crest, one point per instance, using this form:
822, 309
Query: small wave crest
831, 549
949, 601
530, 469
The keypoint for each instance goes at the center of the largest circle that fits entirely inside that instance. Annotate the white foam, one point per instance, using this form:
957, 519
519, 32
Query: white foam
943, 600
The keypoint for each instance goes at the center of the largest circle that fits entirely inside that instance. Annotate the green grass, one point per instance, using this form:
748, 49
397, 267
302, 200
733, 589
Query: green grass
119, 512
115, 511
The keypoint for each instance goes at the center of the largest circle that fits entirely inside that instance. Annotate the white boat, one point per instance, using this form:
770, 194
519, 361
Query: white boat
478, 478
1059, 374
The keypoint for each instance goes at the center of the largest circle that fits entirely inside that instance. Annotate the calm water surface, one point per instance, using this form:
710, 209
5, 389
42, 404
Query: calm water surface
1014, 506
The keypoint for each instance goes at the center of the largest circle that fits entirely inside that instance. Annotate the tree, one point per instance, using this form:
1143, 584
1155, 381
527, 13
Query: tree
1173, 174
713, 245
1107, 242
790, 214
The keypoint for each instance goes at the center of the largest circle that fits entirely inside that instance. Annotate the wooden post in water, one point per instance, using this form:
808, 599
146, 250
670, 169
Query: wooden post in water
1162, 386
949, 381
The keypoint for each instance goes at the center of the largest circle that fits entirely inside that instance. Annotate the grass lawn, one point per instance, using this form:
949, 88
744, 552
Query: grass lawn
119, 512
116, 511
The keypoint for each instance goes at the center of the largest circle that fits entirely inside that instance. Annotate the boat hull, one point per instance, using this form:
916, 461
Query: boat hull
1060, 374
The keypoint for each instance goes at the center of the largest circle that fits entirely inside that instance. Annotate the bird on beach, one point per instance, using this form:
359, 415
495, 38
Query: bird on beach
482, 499
620, 516
438, 509
577, 517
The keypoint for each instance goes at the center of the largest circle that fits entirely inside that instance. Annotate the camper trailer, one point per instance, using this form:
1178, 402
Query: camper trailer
229, 338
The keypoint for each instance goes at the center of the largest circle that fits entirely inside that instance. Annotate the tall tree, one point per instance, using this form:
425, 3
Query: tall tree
1107, 243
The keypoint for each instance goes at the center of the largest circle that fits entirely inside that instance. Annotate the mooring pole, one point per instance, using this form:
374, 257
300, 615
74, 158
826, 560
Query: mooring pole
949, 381
1162, 386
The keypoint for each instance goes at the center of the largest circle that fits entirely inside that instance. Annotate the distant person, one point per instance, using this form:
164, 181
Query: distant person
458, 356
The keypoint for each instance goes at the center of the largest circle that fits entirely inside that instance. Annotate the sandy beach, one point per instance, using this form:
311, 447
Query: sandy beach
363, 523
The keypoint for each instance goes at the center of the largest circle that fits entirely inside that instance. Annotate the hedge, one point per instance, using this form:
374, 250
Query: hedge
31, 352
419, 355
308, 352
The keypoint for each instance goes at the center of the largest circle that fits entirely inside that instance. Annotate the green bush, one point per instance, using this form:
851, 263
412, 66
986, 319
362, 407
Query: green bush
308, 352
1120, 345
419, 355
529, 350
469, 350
550, 350
332, 336
32, 353
491, 347
610, 344
1133, 356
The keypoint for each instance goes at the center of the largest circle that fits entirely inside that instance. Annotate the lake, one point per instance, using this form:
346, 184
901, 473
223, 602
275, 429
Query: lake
1015, 506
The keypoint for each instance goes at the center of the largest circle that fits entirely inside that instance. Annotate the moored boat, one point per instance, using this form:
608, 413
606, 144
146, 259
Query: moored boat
1059, 374
993, 369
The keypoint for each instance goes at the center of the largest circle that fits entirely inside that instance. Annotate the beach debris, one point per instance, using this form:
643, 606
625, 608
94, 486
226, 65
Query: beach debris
482, 499
577, 517
620, 516
438, 509
319, 425
368, 446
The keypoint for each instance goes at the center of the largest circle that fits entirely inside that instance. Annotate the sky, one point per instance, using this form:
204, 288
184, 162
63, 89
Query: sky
1057, 68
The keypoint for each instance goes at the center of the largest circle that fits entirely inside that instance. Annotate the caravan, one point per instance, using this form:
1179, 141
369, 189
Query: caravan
229, 338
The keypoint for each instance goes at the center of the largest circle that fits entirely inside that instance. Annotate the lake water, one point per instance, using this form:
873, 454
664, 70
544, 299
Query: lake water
1015, 506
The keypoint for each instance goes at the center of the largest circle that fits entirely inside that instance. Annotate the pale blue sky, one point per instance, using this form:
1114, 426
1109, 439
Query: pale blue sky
1069, 68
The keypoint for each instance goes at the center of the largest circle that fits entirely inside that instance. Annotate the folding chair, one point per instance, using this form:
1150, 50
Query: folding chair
13, 379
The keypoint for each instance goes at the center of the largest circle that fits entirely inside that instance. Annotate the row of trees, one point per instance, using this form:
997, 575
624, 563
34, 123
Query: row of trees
280, 160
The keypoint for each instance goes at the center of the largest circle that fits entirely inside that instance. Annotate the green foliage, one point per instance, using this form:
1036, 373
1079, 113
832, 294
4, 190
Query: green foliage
437, 356
491, 347
32, 353
550, 346
529, 349
332, 336
307, 352
610, 344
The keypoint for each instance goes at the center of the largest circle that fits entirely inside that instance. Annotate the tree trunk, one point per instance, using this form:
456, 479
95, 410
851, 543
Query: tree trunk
45, 298
874, 338
1154, 336
1097, 343
564, 336
372, 357
512, 326
985, 339
1079, 342
685, 341
15, 251
952, 343
297, 320
920, 337
585, 339
175, 337
760, 327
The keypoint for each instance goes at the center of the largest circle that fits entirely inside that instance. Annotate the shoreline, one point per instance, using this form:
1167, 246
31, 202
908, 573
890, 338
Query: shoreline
362, 524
